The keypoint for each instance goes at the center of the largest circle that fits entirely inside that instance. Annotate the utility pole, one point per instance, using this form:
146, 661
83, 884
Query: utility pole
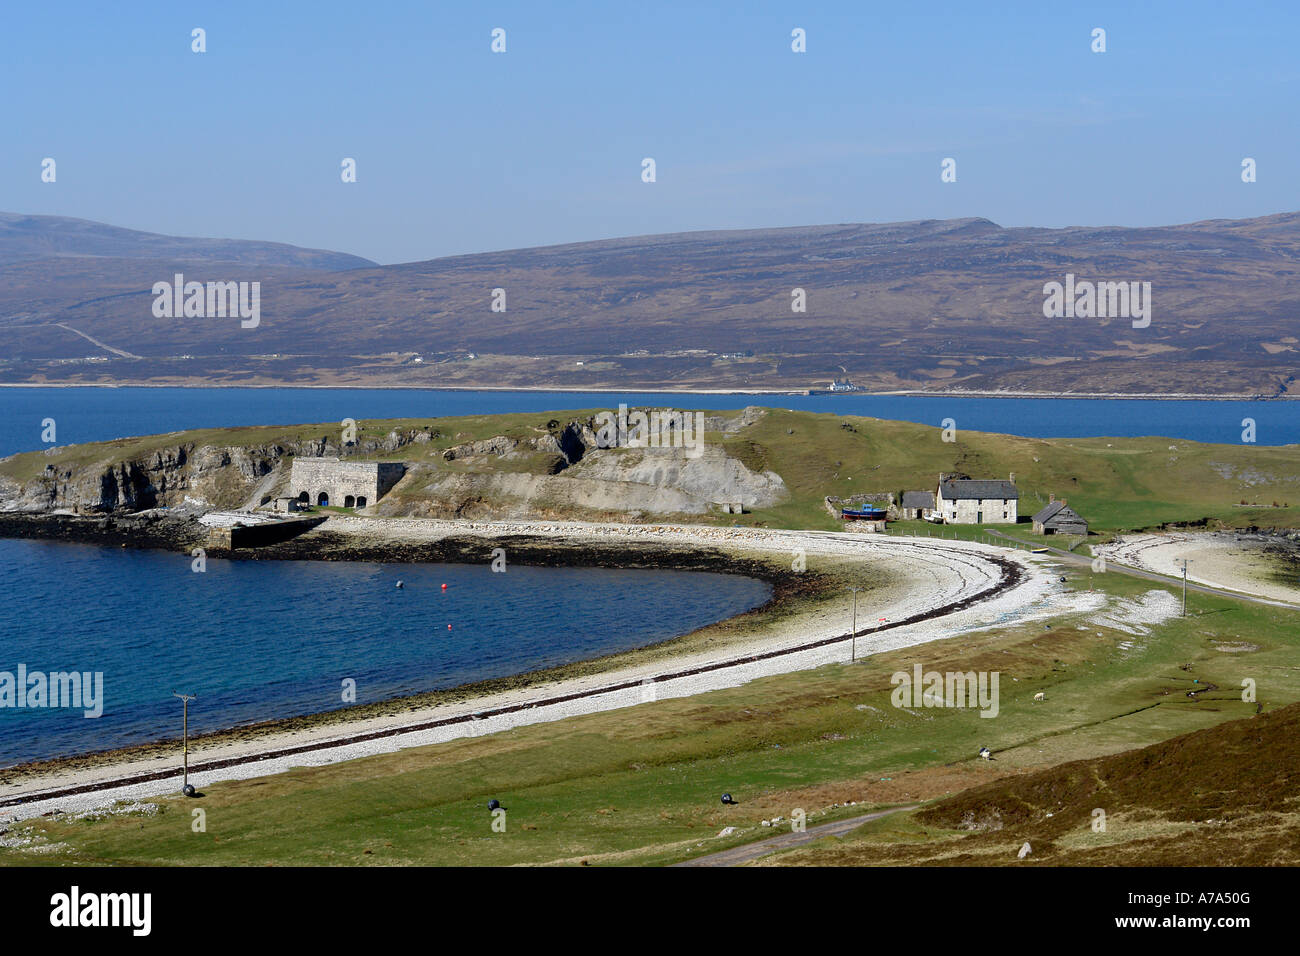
185, 737
1185, 562
853, 653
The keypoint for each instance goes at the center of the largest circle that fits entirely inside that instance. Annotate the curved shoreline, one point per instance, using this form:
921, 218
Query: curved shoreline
1257, 564
946, 585
787, 588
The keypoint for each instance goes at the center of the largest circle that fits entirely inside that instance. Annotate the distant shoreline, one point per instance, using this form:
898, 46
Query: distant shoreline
800, 392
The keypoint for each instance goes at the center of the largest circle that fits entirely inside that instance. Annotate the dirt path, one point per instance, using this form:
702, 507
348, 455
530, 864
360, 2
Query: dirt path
94, 341
752, 851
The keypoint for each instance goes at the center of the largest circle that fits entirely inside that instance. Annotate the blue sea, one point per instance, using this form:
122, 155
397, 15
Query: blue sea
98, 414
257, 640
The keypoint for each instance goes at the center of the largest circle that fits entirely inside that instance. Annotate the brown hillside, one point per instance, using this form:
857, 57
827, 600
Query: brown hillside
933, 305
1227, 795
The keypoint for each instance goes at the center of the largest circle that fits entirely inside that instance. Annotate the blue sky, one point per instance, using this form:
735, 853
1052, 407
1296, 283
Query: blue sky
461, 150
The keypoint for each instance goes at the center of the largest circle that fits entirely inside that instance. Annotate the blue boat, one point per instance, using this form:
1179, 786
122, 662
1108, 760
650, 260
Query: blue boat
866, 512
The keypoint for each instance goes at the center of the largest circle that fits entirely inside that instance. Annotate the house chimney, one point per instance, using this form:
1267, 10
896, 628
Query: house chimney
1051, 498
1013, 477
1062, 501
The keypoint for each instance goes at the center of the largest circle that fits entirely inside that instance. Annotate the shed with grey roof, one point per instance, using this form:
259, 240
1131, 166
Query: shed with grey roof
918, 505
1059, 518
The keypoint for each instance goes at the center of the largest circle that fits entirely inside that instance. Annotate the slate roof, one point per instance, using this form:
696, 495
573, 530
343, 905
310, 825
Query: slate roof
1048, 512
959, 489
918, 499
1055, 508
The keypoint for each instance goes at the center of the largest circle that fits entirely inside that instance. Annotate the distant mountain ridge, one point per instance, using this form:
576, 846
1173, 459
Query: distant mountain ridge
25, 238
931, 305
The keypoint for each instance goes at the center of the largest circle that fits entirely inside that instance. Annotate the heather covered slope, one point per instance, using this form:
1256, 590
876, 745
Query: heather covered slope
933, 305
1228, 794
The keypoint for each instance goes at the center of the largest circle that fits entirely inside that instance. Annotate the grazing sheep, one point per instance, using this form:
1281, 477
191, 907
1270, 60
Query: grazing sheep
1040, 696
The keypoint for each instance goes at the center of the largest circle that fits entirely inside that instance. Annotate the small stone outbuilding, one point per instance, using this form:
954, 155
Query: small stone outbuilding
1059, 518
918, 505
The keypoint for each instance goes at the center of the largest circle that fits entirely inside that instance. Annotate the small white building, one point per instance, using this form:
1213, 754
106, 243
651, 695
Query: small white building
961, 500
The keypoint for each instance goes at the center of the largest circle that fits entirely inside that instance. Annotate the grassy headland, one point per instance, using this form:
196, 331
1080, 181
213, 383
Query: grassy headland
1116, 483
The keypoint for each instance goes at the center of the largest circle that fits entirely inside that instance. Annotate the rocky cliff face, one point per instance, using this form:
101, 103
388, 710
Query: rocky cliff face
205, 476
569, 443
166, 477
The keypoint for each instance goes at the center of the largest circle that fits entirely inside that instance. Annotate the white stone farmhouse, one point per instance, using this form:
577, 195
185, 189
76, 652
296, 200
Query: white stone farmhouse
962, 500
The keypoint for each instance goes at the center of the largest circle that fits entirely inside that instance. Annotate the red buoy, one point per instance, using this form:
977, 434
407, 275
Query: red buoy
449, 627
444, 587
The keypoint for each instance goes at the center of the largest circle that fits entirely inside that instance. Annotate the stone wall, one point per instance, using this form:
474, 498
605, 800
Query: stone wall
834, 504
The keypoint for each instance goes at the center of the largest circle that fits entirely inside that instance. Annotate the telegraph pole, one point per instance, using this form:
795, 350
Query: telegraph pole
1185, 562
853, 653
185, 737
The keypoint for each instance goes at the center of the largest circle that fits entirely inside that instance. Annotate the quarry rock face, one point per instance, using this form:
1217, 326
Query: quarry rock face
570, 443
163, 477
711, 478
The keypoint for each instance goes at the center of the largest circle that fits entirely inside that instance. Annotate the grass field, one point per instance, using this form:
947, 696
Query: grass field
1116, 483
